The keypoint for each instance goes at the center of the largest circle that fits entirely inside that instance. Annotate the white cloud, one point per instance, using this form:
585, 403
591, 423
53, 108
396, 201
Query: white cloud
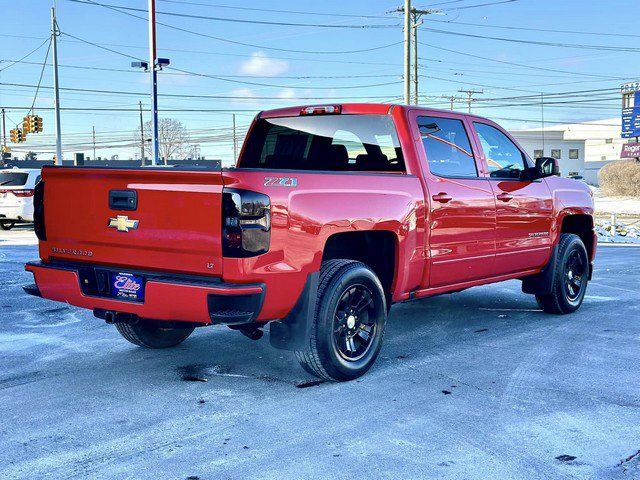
247, 95
287, 93
261, 64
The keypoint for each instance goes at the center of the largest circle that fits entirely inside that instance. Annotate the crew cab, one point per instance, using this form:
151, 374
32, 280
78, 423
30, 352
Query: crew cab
16, 195
332, 214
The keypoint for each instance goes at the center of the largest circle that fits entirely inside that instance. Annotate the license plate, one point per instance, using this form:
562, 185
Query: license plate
127, 286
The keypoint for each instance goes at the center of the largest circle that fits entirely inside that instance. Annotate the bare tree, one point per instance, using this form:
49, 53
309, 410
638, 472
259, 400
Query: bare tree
173, 139
31, 155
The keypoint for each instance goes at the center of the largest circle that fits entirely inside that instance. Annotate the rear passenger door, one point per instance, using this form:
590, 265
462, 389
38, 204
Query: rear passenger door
461, 214
524, 208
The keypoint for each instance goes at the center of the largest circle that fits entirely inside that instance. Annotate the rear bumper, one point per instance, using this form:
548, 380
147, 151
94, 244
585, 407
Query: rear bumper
17, 213
168, 297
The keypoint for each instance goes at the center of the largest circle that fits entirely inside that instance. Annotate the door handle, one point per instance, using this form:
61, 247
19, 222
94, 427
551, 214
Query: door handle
442, 197
505, 197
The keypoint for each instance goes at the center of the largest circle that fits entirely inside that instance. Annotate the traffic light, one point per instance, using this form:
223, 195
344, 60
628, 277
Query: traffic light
26, 124
37, 124
17, 135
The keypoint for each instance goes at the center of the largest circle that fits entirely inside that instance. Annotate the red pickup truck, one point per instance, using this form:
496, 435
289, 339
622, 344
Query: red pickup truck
332, 214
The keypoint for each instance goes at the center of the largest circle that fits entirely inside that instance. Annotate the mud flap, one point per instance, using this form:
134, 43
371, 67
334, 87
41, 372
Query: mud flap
293, 331
542, 283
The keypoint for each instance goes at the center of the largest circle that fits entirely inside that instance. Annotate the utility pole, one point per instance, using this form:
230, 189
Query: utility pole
56, 86
4, 133
452, 99
235, 142
416, 24
542, 115
470, 94
94, 141
407, 51
141, 137
154, 82
412, 22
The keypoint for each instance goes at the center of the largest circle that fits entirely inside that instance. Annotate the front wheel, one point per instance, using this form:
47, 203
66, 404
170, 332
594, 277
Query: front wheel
349, 322
570, 277
146, 334
7, 225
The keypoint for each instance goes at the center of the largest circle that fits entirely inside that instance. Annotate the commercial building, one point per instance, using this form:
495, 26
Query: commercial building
581, 148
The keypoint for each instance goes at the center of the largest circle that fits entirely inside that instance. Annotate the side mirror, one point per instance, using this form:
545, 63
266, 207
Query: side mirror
546, 167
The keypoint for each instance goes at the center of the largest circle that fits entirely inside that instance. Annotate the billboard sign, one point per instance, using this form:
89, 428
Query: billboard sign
630, 150
631, 118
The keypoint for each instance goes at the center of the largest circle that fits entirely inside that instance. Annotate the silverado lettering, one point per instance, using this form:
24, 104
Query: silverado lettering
382, 219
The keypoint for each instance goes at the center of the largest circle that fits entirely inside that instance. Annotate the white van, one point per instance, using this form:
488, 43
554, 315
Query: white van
16, 195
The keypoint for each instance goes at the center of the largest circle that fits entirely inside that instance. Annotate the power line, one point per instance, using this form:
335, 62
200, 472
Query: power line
530, 29
27, 55
523, 65
35, 96
237, 20
296, 12
480, 5
235, 42
537, 42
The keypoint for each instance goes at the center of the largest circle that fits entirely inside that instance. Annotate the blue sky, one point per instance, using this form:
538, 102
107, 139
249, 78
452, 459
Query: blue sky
373, 75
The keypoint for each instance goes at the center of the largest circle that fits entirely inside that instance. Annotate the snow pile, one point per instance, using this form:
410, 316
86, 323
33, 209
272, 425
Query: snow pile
620, 234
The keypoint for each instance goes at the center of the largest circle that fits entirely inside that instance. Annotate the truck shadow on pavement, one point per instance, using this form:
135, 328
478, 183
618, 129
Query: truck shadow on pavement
414, 330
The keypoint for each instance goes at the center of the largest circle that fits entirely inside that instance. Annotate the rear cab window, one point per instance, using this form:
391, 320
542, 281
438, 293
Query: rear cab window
356, 143
13, 179
447, 147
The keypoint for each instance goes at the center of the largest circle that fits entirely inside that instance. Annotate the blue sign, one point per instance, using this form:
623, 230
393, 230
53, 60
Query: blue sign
631, 119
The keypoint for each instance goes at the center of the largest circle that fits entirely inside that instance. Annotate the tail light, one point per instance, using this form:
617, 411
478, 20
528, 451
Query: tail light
38, 211
22, 193
246, 223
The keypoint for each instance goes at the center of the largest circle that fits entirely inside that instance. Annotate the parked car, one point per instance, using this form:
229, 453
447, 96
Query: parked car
16, 195
332, 214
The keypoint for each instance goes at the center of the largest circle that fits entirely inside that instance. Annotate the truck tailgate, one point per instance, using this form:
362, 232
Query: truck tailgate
174, 226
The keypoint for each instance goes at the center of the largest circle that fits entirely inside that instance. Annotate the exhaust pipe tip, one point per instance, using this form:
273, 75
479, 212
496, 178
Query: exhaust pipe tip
110, 317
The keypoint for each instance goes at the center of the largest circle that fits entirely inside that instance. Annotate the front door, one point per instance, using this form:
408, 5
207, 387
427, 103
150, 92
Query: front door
524, 209
461, 215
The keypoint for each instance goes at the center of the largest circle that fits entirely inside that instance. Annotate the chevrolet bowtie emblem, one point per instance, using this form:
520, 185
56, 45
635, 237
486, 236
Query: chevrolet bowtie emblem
122, 223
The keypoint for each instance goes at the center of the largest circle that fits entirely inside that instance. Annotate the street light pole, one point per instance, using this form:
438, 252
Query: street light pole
154, 82
56, 95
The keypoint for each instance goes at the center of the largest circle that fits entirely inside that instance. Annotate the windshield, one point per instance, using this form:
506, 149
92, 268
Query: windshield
328, 142
13, 179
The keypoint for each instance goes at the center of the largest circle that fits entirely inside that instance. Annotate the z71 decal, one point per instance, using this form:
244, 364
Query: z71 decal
280, 182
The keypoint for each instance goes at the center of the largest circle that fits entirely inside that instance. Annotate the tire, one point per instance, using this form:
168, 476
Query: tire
351, 301
570, 277
149, 335
7, 225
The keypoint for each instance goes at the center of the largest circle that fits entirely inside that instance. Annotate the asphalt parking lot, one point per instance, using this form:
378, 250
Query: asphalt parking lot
474, 385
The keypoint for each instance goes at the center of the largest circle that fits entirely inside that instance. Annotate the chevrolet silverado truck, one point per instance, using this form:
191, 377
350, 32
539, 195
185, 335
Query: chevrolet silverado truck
332, 214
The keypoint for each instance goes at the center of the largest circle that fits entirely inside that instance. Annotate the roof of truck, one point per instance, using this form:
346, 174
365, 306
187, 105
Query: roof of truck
356, 109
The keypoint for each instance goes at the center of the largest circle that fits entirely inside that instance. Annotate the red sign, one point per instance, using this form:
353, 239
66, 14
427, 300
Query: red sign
630, 150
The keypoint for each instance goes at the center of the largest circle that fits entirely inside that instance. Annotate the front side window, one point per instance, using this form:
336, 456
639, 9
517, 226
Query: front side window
504, 158
325, 142
447, 147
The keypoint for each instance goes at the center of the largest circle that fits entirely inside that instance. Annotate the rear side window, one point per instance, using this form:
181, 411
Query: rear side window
13, 179
329, 142
504, 158
447, 147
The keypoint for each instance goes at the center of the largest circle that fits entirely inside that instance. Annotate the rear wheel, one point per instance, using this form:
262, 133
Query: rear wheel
7, 225
349, 322
146, 334
570, 277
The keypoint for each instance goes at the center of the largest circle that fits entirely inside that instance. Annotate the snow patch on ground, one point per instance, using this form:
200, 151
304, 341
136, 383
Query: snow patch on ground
624, 205
620, 234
